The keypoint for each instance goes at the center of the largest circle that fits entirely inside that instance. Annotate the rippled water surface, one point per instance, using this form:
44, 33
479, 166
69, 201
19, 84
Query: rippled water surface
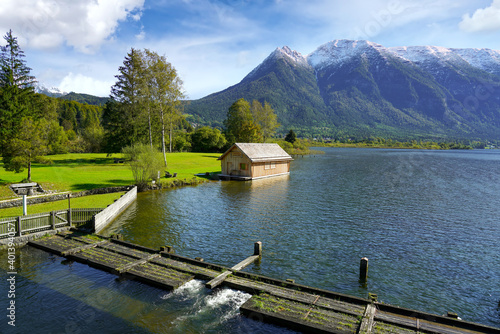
429, 222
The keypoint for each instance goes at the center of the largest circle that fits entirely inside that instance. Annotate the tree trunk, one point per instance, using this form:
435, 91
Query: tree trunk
150, 130
170, 137
29, 171
163, 138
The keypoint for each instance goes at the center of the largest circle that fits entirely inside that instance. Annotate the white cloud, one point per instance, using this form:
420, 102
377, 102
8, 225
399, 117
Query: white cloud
483, 19
82, 24
141, 35
80, 83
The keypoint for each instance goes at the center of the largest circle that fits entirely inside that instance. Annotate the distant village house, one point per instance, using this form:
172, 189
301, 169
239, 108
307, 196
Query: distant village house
250, 161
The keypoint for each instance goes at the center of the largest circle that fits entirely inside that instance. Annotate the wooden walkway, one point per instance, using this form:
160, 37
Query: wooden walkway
283, 303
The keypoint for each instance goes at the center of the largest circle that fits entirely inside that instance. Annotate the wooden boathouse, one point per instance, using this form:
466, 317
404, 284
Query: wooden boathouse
250, 161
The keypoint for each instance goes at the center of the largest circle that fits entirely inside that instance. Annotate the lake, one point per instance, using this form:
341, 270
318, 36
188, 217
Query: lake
429, 222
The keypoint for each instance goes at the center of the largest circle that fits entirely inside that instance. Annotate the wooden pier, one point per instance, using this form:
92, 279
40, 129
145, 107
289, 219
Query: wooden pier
279, 302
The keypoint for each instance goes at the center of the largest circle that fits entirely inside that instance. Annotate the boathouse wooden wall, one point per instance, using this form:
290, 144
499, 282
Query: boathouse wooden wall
232, 164
265, 169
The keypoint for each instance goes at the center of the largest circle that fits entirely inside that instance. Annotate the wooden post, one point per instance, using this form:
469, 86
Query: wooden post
19, 230
257, 250
363, 269
167, 249
53, 219
69, 211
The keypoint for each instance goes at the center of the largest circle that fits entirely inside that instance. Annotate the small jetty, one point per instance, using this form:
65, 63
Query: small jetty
280, 302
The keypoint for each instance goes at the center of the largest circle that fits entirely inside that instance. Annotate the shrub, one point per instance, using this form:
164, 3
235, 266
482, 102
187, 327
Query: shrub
145, 163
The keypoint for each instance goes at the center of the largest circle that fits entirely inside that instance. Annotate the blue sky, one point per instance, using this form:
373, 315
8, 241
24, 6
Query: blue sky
78, 45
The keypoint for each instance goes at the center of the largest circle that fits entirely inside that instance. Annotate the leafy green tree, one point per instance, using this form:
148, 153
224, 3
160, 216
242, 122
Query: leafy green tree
164, 89
145, 162
182, 142
265, 117
93, 135
16, 92
207, 139
291, 137
14, 71
126, 116
240, 125
116, 136
29, 145
146, 100
23, 127
57, 139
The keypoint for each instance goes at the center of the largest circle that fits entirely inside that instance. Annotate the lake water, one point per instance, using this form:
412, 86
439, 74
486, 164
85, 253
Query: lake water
429, 222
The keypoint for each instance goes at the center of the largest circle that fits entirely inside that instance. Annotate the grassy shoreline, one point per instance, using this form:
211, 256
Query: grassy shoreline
84, 171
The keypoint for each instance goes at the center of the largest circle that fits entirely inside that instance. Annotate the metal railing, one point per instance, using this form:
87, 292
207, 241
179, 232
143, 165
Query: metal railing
37, 222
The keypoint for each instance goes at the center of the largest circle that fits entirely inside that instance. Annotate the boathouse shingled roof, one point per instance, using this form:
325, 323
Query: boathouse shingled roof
258, 152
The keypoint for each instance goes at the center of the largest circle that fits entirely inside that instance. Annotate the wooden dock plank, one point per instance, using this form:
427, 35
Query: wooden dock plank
199, 272
385, 328
85, 246
215, 282
123, 250
102, 259
246, 262
298, 316
56, 244
368, 320
418, 324
136, 263
255, 287
391, 318
159, 276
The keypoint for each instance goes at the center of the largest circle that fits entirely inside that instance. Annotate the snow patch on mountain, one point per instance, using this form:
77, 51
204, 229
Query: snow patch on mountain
295, 56
337, 52
280, 53
52, 91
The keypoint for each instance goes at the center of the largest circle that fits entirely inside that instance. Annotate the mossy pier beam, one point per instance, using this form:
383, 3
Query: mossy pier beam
280, 302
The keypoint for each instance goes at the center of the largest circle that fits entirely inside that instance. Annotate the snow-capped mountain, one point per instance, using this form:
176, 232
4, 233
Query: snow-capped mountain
280, 53
52, 91
338, 51
364, 88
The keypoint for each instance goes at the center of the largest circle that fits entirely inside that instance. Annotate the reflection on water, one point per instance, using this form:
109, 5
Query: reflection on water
424, 218
429, 222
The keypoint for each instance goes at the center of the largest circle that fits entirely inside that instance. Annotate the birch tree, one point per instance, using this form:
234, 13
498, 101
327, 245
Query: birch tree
265, 117
164, 89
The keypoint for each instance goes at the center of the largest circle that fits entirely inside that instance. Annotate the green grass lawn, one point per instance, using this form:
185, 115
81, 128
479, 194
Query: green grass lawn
76, 172
94, 201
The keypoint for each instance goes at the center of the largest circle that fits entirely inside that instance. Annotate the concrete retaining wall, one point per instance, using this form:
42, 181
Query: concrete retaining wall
106, 216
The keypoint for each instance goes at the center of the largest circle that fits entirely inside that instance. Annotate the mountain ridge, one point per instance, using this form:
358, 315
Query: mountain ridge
364, 89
